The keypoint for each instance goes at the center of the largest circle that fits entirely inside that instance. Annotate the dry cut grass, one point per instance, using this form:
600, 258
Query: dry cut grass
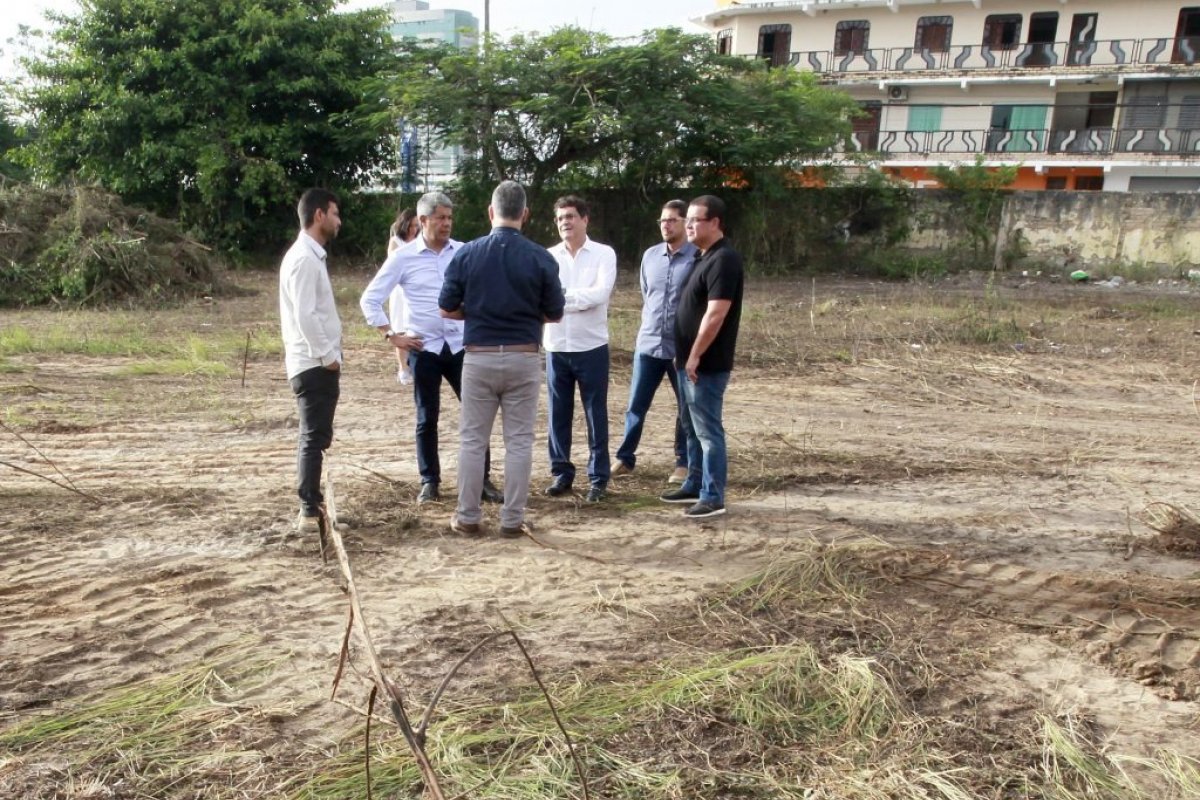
793, 684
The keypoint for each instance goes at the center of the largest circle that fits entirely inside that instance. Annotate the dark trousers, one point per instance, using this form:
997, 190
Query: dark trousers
316, 393
648, 373
588, 370
428, 371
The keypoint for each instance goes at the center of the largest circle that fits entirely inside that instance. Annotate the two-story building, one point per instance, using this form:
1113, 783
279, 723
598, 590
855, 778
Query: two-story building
1080, 94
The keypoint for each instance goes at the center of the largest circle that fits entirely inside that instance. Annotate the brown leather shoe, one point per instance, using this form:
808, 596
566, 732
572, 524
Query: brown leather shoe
678, 476
622, 470
523, 529
465, 528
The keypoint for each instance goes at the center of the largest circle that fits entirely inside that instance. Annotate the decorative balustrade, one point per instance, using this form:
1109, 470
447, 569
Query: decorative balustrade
1082, 141
1031, 56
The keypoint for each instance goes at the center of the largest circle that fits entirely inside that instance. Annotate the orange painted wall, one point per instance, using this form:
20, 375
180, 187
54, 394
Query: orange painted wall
1027, 179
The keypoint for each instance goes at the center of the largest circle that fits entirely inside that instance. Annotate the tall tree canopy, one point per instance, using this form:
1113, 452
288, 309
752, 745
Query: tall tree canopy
576, 106
217, 111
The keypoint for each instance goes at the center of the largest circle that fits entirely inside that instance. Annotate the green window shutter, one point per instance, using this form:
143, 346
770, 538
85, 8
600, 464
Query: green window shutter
924, 118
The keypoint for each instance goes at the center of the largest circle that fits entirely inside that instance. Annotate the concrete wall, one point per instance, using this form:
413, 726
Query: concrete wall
1103, 229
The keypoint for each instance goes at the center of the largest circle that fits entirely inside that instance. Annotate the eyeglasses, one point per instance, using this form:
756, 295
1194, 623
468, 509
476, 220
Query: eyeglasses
669, 220
694, 220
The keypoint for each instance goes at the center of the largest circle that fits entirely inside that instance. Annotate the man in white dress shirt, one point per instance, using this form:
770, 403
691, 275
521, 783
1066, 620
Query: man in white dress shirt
577, 349
312, 344
434, 344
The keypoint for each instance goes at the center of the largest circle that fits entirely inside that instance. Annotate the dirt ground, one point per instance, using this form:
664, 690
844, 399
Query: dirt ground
1005, 485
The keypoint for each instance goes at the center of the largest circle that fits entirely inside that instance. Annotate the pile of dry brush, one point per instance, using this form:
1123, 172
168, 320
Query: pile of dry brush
83, 245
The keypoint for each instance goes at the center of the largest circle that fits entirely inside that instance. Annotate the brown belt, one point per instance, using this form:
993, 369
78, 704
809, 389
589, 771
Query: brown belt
502, 348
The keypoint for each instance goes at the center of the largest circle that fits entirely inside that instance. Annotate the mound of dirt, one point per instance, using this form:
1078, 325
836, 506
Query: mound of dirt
84, 245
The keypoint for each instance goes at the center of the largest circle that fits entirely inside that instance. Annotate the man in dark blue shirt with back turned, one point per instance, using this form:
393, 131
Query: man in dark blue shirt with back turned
505, 287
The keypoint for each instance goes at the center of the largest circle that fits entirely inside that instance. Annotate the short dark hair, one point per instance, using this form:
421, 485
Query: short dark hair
573, 201
678, 206
312, 200
714, 205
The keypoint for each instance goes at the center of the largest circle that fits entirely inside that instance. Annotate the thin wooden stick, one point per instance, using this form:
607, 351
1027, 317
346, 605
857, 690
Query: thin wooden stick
367, 749
554, 712
245, 359
395, 702
47, 478
41, 455
345, 654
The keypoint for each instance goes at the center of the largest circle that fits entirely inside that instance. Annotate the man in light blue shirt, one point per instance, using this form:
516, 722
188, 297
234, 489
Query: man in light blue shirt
434, 343
665, 268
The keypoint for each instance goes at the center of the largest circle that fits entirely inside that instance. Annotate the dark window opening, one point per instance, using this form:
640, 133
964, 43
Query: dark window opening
1043, 27
1083, 33
725, 42
775, 44
866, 124
1102, 109
1056, 183
933, 34
1002, 31
851, 37
1089, 183
1187, 37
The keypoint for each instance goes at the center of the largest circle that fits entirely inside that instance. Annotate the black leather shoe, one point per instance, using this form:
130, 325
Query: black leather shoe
429, 494
596, 494
561, 486
490, 493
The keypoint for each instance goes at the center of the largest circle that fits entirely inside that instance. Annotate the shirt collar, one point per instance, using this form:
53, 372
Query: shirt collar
421, 247
717, 245
684, 249
314, 244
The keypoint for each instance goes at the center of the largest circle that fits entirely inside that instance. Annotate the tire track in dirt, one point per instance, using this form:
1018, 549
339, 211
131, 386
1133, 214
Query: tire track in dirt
1144, 628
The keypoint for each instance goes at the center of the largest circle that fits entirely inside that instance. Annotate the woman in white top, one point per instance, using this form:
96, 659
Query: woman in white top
403, 230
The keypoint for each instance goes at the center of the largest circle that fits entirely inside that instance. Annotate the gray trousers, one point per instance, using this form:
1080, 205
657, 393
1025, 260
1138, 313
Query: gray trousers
509, 382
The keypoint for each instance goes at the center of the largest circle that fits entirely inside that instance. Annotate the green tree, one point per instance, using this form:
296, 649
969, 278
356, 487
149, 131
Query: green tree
11, 137
215, 111
980, 190
576, 106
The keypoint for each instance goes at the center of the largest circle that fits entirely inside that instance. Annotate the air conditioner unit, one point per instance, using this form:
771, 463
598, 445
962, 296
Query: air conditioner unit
898, 94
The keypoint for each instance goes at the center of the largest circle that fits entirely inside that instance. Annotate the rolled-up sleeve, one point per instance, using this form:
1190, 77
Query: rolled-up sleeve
454, 283
380, 289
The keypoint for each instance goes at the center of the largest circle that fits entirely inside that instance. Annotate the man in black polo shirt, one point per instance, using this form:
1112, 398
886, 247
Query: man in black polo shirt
706, 329
505, 287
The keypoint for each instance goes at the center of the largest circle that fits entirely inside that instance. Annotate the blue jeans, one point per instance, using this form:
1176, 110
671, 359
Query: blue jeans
648, 373
316, 392
700, 413
589, 370
428, 371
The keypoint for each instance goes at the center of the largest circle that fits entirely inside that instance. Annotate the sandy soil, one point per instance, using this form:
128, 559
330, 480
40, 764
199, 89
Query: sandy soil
1009, 487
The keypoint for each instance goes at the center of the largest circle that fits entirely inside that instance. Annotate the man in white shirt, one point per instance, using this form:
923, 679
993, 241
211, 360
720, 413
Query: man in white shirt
434, 344
312, 344
577, 349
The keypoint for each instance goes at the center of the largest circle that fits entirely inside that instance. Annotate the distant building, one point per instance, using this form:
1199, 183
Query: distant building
426, 168
1087, 94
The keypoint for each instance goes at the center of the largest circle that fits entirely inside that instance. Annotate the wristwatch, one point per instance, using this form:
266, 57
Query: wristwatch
389, 333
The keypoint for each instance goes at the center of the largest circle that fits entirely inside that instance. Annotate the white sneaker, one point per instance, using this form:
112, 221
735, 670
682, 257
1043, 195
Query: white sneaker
307, 524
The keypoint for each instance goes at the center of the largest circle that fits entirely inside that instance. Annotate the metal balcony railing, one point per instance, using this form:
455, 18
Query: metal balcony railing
1049, 141
1031, 56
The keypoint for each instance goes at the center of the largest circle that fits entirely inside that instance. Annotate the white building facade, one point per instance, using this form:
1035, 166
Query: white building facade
1094, 94
424, 165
